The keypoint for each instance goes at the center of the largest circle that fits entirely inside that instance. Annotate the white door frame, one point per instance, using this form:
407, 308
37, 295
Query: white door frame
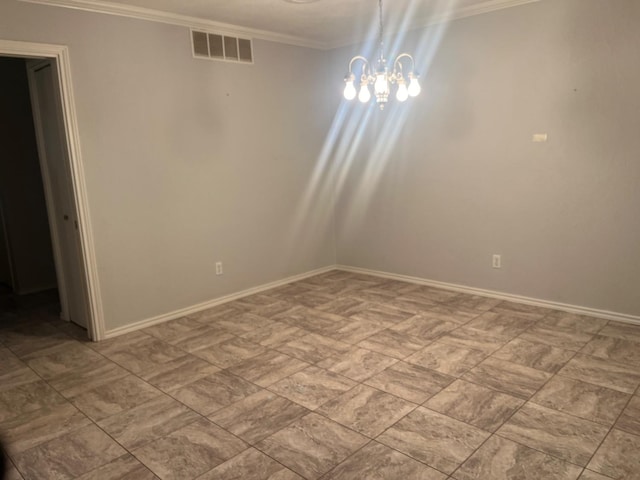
60, 54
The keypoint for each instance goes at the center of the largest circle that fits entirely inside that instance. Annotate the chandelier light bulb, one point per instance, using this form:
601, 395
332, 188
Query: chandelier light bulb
403, 93
350, 90
414, 87
365, 95
381, 85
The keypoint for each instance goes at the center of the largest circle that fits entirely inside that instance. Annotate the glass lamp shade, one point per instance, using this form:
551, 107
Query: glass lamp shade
365, 95
414, 87
350, 90
381, 85
403, 93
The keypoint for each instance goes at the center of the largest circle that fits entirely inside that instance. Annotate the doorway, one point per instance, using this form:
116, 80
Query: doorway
71, 245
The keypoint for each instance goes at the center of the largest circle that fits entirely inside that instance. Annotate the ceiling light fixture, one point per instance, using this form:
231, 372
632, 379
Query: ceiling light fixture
382, 79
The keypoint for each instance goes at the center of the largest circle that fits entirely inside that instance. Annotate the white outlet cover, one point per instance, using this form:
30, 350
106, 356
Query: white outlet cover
540, 137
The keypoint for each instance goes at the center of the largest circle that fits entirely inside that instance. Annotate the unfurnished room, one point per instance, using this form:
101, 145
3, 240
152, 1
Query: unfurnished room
320, 239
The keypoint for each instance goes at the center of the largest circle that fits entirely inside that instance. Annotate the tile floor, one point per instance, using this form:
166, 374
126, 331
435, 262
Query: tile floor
339, 376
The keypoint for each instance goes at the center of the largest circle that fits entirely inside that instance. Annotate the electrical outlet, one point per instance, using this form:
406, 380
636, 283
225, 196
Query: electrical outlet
497, 261
218, 268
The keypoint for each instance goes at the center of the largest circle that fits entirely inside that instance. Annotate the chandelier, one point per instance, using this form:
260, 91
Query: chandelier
382, 79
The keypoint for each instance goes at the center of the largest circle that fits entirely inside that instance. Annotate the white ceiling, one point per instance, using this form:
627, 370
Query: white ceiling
319, 23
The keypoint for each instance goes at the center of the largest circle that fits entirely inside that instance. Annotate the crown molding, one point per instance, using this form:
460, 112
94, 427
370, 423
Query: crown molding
122, 10
140, 13
460, 13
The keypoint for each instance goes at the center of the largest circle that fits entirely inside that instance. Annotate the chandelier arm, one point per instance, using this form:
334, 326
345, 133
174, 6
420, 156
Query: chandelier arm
397, 61
359, 57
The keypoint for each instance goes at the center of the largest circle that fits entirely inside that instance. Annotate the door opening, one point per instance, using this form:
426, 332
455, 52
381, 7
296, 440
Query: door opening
50, 84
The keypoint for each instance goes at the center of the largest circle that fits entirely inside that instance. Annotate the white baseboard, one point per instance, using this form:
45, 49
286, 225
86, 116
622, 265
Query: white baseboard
211, 303
592, 312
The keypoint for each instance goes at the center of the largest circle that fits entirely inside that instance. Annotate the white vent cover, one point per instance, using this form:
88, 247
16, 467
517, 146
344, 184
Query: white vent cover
216, 46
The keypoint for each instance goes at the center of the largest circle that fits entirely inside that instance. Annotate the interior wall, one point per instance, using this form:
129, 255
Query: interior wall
445, 181
188, 161
21, 189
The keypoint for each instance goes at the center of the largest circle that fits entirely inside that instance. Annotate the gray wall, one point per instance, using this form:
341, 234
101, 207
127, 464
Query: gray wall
462, 180
21, 190
188, 161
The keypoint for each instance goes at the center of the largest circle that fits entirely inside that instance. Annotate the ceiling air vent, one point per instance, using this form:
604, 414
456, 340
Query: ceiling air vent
216, 46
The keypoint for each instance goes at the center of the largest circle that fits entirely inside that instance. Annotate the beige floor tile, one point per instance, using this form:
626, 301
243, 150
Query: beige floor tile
564, 436
268, 367
357, 364
535, 355
174, 331
629, 421
203, 337
366, 410
22, 375
434, 439
27, 398
147, 422
584, 400
473, 302
142, 354
34, 428
250, 465
474, 339
214, 392
451, 313
353, 331
312, 387
393, 344
564, 339
377, 461
70, 455
507, 377
123, 468
476, 405
189, 451
424, 328
314, 348
615, 349
64, 358
178, 373
605, 373
432, 294
382, 314
245, 323
374, 295
229, 352
521, 309
275, 335
410, 382
618, 456
589, 475
502, 459
115, 397
259, 415
572, 322
11, 473
624, 331
312, 445
449, 359
345, 306
501, 324
87, 377
315, 321
411, 304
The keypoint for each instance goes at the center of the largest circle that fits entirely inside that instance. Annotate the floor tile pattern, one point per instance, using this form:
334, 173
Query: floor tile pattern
338, 376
